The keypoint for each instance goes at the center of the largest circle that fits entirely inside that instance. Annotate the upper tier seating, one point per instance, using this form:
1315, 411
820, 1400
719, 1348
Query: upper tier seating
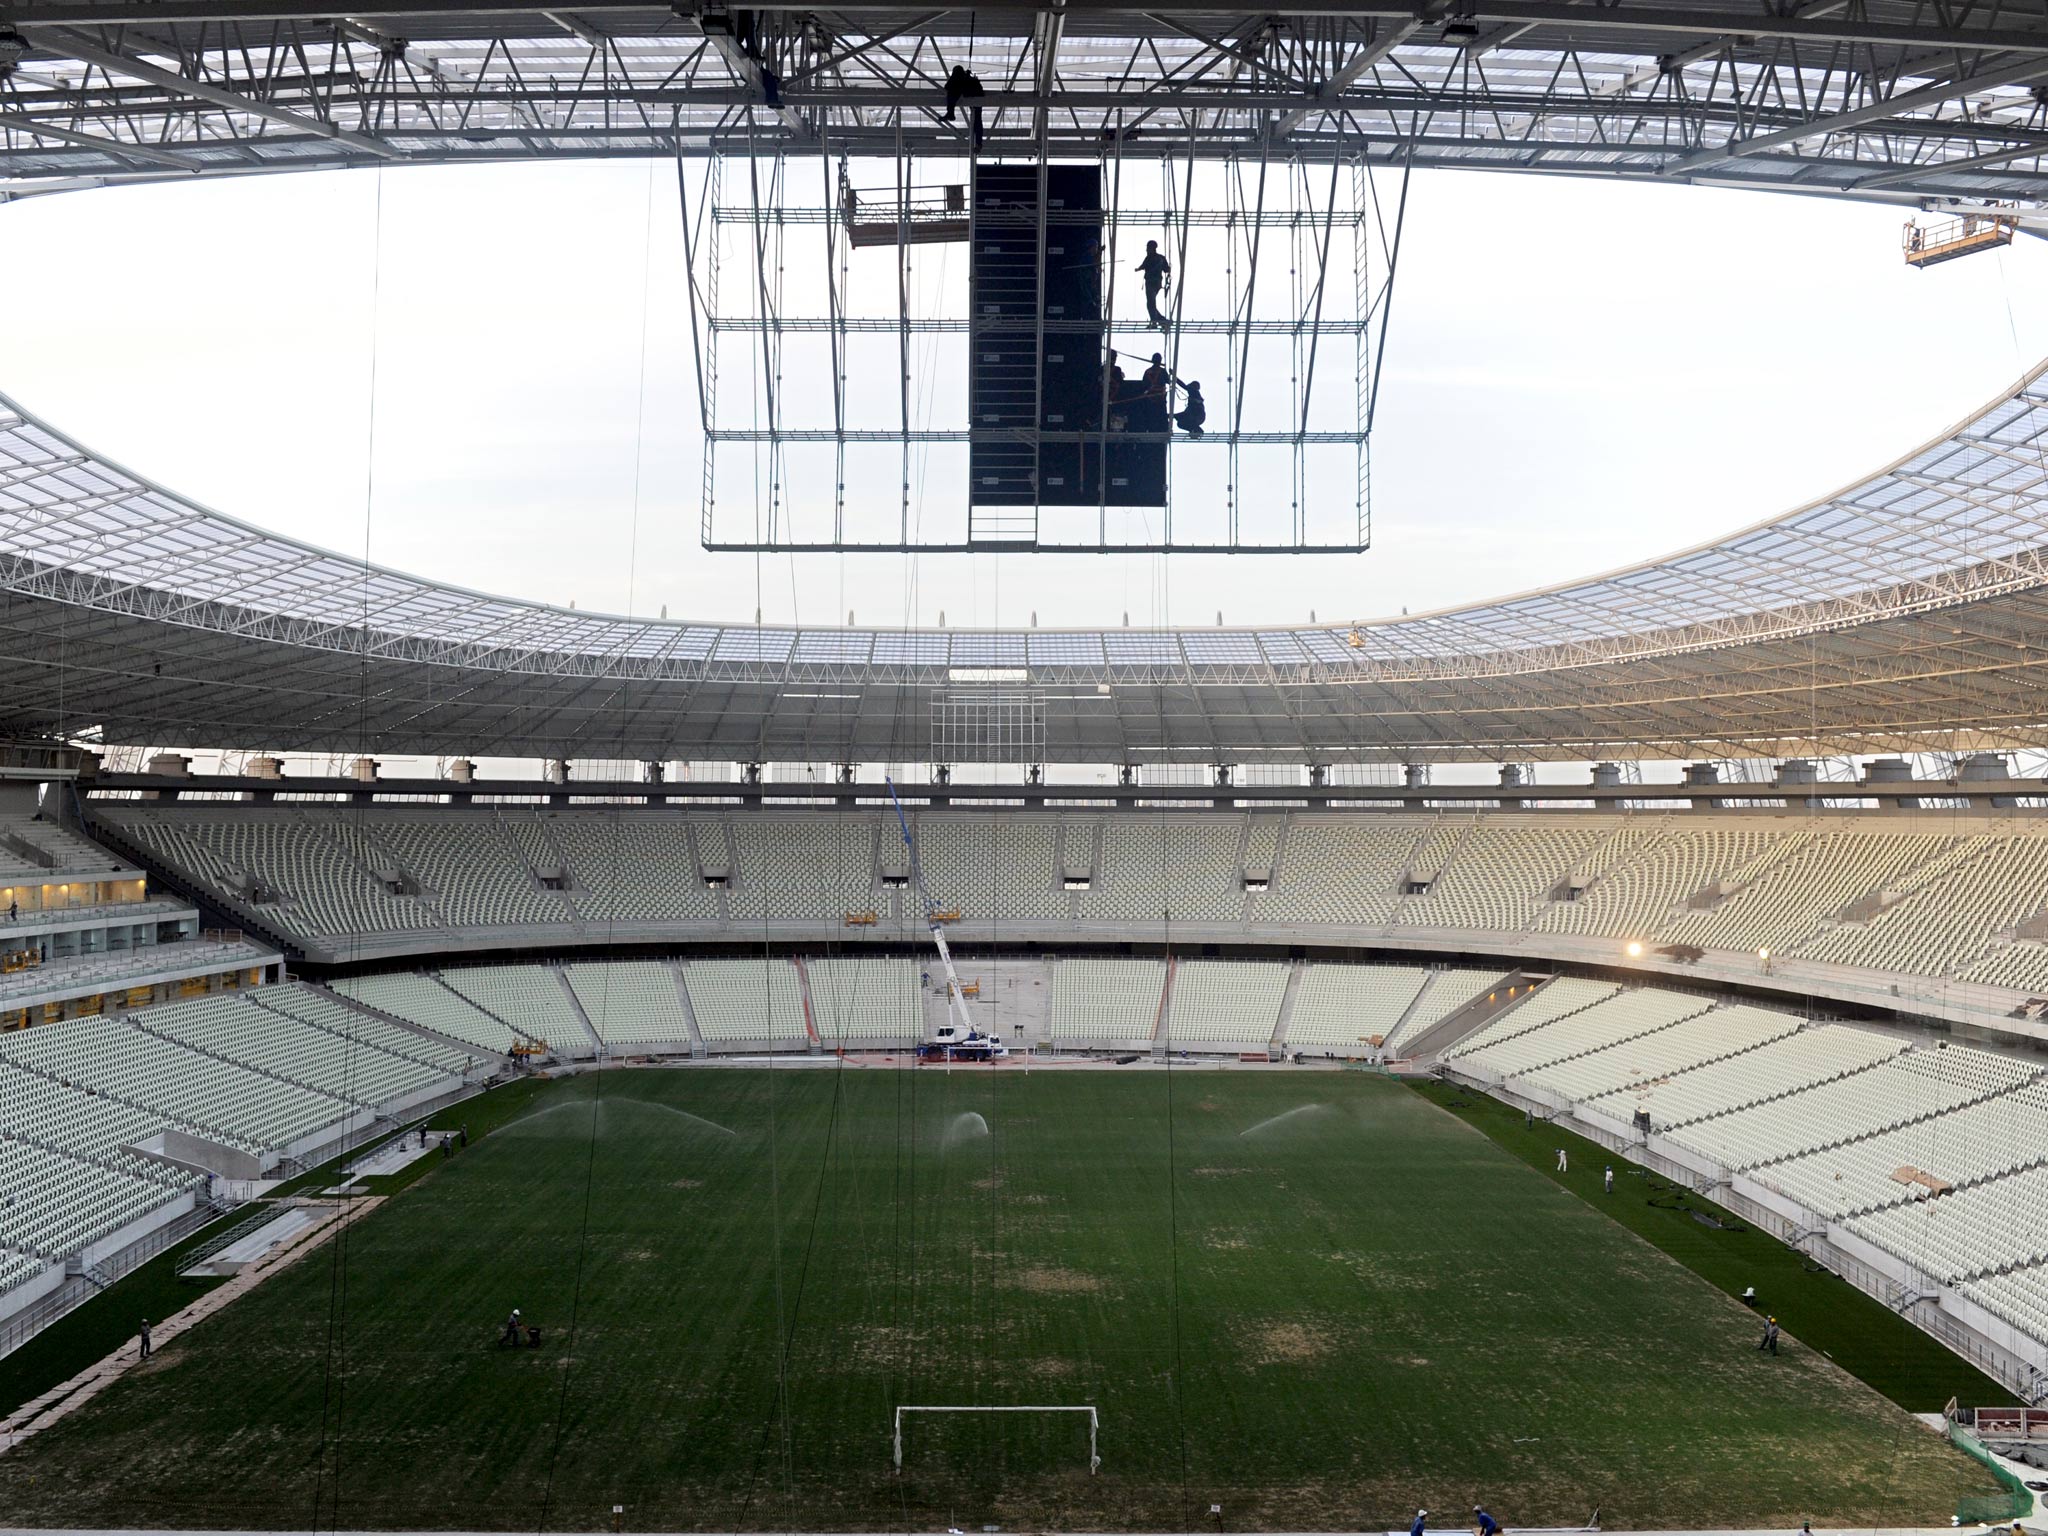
1160, 868
1642, 892
468, 868
1861, 892
1984, 885
1003, 865
812, 868
1501, 875
1339, 869
293, 871
619, 867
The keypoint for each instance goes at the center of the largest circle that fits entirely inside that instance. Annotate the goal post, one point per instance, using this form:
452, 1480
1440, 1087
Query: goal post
1094, 1422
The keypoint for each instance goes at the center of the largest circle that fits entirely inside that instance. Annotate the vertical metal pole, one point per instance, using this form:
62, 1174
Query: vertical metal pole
1038, 349
771, 333
903, 319
1251, 289
1187, 203
1361, 341
838, 340
1109, 261
705, 385
1308, 382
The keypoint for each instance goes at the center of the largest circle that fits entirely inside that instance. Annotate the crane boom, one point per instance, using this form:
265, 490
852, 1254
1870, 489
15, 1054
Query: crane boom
957, 1003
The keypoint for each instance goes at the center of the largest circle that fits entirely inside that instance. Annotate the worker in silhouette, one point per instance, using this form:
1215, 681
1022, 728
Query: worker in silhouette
1114, 389
1191, 416
1154, 385
1158, 274
964, 85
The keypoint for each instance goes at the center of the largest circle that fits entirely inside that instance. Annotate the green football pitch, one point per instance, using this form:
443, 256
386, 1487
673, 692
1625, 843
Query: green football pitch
1318, 1300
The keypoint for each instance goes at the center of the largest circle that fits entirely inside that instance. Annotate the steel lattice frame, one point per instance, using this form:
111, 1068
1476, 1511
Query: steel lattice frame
1876, 98
1909, 612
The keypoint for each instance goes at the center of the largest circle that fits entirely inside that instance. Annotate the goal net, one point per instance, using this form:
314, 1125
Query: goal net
1094, 1422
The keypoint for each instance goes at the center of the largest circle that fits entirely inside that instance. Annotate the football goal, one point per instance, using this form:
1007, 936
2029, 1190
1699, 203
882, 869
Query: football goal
1094, 1422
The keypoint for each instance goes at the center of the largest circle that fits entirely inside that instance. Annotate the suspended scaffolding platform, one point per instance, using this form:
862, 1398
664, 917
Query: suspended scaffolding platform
919, 216
1928, 245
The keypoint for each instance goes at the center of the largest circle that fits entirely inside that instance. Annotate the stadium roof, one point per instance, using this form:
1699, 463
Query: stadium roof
1908, 612
1877, 99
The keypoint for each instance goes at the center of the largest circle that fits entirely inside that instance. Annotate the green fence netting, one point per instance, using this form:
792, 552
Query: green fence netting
2014, 1503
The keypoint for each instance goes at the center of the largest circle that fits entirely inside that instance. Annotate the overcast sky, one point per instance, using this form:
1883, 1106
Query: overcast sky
1578, 376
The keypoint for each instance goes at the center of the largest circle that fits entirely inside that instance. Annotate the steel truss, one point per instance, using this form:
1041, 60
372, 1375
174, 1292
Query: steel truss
1880, 99
1908, 613
1277, 208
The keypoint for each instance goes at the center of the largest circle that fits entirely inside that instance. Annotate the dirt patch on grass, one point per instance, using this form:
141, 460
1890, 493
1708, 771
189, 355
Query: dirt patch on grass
1056, 1280
993, 1181
686, 1184
1216, 1173
1288, 1343
639, 1255
1052, 1366
876, 1346
1380, 1273
1226, 1242
159, 1360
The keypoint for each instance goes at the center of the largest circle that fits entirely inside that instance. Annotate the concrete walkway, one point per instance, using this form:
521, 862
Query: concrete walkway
40, 1413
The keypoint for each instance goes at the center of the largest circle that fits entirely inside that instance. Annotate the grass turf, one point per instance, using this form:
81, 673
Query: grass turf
1317, 1300
1817, 1307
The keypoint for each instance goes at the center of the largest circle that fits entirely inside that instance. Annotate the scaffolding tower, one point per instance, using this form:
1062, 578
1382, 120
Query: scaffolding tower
916, 355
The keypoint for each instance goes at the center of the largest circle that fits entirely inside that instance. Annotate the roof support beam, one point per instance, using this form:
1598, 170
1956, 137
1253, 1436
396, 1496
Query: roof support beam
148, 154
751, 73
1922, 36
1051, 29
1971, 163
116, 62
1392, 34
576, 26
1857, 117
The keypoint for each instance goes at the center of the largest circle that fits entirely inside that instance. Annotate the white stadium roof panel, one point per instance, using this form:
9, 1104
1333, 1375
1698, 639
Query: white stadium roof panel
1918, 594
